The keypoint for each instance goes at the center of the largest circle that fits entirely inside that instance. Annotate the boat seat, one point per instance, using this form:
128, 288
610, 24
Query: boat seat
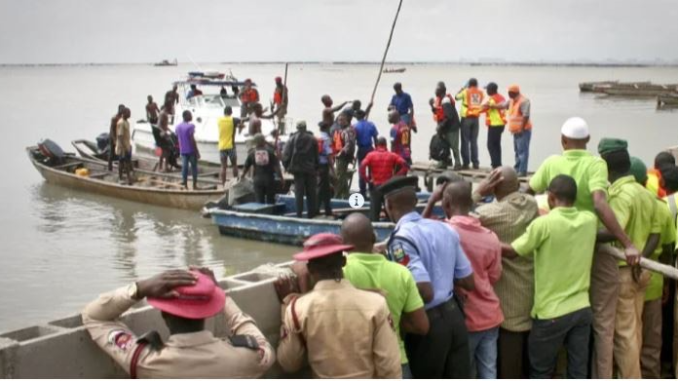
257, 208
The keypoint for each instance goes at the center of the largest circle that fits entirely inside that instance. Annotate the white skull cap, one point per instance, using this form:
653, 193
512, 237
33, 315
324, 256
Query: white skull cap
575, 128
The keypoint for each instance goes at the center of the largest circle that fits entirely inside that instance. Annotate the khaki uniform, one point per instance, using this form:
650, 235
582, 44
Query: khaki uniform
190, 355
346, 332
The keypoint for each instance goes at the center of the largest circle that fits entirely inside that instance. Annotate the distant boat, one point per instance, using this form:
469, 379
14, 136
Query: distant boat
392, 70
166, 63
667, 101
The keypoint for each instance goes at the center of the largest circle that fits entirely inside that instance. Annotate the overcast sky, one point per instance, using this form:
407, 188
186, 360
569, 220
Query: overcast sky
120, 31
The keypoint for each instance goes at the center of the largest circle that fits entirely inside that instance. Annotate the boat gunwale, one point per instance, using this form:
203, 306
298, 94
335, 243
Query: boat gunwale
189, 193
232, 213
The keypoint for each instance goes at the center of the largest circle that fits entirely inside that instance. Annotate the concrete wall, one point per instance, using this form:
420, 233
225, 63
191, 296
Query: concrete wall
63, 349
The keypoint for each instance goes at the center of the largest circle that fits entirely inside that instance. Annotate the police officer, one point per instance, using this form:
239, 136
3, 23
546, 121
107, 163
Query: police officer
345, 332
185, 299
431, 250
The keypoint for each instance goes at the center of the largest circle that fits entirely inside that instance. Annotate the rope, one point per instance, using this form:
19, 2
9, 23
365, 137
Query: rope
388, 45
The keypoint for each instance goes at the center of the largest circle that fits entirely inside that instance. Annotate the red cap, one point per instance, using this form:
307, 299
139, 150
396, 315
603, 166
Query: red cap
278, 80
248, 80
514, 88
322, 245
202, 300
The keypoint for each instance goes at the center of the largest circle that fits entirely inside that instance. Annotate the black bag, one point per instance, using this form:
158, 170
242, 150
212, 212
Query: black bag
439, 149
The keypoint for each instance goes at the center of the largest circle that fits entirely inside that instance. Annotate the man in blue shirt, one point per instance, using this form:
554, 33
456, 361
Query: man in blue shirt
431, 250
402, 102
366, 138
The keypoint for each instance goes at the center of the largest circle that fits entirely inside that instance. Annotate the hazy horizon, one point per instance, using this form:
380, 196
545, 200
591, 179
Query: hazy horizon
262, 31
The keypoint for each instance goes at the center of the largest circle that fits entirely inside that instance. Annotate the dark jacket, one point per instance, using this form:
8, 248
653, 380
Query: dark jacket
451, 121
301, 154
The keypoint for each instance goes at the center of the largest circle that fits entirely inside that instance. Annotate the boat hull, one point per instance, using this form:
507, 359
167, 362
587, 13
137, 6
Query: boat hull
181, 199
279, 229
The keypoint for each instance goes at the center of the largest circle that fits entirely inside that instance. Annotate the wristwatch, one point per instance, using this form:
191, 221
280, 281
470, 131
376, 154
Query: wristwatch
133, 291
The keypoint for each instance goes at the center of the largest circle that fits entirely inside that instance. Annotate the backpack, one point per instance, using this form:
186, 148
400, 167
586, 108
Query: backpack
439, 148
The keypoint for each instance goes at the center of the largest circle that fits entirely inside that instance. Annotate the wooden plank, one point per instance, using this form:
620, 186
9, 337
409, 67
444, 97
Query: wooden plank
645, 263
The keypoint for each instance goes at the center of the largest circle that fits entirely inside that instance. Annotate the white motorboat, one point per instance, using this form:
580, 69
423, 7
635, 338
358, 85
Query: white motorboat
219, 90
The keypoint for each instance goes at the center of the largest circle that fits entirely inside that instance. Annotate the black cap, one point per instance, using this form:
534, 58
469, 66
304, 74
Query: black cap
399, 183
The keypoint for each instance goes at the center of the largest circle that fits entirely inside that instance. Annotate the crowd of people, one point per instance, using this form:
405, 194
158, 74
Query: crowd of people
494, 290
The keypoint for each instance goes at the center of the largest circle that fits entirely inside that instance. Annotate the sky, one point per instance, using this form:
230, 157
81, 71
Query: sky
141, 31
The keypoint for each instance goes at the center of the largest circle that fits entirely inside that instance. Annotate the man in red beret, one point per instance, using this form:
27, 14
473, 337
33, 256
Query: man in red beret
280, 100
185, 299
345, 332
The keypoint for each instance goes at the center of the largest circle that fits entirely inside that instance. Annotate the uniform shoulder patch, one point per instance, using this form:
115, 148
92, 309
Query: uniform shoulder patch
123, 340
399, 254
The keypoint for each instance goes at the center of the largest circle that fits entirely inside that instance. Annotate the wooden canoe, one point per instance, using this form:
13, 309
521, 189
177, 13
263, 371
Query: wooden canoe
89, 150
150, 187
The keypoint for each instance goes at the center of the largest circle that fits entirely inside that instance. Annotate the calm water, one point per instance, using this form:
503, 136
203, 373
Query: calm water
62, 247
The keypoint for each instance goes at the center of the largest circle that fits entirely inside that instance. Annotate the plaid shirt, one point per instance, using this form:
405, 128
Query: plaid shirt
509, 219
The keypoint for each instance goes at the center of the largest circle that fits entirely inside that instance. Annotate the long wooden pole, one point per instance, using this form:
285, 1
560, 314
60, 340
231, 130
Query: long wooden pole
388, 45
648, 264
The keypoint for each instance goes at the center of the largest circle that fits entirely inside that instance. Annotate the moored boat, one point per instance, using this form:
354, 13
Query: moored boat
588, 87
149, 188
219, 90
166, 63
667, 101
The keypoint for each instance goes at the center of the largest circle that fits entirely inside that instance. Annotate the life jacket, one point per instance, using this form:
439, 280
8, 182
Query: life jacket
653, 183
249, 96
515, 117
473, 100
337, 141
439, 114
495, 117
278, 96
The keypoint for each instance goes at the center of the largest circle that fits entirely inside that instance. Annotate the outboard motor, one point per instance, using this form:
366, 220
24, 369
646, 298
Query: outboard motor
103, 142
52, 151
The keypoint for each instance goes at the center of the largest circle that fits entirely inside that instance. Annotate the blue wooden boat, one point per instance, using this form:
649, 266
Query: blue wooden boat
278, 223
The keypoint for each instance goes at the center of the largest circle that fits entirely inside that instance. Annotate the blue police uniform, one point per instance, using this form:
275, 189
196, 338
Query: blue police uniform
431, 250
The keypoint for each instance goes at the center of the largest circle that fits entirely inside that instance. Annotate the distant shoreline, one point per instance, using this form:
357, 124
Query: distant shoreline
389, 64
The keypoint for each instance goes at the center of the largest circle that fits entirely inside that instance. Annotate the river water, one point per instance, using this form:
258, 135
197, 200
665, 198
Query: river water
60, 247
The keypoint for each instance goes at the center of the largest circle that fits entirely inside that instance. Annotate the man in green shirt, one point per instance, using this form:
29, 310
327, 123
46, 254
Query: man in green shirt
562, 244
634, 208
650, 353
369, 271
590, 173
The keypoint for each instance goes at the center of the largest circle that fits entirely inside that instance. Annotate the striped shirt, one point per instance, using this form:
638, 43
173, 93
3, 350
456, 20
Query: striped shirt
509, 219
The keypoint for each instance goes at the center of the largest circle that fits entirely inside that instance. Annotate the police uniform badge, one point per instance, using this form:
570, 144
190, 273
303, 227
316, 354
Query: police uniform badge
399, 254
122, 340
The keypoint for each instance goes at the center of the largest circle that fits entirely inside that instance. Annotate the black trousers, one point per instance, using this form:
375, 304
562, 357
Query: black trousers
324, 190
494, 144
548, 336
444, 351
305, 185
264, 191
376, 201
512, 357
362, 152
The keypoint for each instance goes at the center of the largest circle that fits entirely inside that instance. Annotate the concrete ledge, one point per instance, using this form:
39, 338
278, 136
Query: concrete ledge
62, 348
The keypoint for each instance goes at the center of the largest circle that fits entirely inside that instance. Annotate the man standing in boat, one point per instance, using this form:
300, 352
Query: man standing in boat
123, 146
248, 97
343, 147
172, 98
266, 166
113, 136
366, 138
301, 160
280, 101
328, 111
188, 149
227, 125
402, 102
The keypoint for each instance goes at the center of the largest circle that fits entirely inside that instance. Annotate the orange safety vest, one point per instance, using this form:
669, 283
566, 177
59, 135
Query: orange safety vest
337, 142
495, 117
249, 96
654, 184
473, 101
515, 117
439, 114
278, 96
